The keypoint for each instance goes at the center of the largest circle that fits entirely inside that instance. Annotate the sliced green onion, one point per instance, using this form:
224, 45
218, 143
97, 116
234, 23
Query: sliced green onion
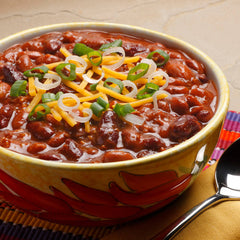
81, 49
148, 91
151, 87
18, 88
163, 55
99, 106
93, 87
72, 75
116, 43
48, 97
123, 110
34, 116
93, 55
103, 103
97, 109
42, 70
115, 81
133, 75
58, 94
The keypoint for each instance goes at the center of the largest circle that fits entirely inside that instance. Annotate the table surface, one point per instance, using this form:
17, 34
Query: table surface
210, 25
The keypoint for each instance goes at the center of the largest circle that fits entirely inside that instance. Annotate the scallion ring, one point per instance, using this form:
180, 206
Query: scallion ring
116, 43
48, 97
54, 84
34, 116
93, 56
91, 80
81, 49
18, 88
163, 55
132, 85
77, 118
123, 110
71, 76
160, 73
115, 50
138, 71
79, 60
118, 82
152, 68
41, 70
70, 96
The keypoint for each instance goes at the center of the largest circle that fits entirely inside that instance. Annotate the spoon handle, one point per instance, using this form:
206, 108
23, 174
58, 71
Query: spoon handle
182, 221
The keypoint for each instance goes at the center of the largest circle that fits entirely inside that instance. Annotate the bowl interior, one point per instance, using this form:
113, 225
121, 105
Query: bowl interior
213, 71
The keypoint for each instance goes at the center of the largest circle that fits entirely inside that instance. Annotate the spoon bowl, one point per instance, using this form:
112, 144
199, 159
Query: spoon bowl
227, 179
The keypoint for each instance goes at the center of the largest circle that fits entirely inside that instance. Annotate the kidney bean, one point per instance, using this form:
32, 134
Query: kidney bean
204, 95
32, 54
71, 150
47, 58
52, 45
177, 89
176, 68
144, 153
52, 155
19, 119
4, 90
152, 142
10, 55
205, 114
132, 139
107, 131
179, 105
6, 112
40, 130
36, 147
194, 110
184, 127
116, 156
195, 65
178, 82
4, 142
193, 101
58, 139
164, 105
174, 54
34, 45
24, 63
63, 89
11, 74
71, 37
203, 78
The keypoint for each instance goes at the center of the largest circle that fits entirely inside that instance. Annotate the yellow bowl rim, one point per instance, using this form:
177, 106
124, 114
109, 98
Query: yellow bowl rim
222, 108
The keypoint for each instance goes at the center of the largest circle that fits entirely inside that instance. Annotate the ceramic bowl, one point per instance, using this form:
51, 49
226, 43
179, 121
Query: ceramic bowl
110, 193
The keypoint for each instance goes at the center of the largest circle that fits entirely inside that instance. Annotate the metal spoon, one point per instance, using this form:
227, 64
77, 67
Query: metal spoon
227, 178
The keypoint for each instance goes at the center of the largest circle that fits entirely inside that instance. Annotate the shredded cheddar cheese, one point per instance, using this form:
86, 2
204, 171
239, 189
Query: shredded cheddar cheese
82, 89
31, 87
